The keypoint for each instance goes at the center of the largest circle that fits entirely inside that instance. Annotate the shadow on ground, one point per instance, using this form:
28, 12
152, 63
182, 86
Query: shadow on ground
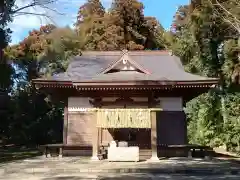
171, 169
12, 153
147, 177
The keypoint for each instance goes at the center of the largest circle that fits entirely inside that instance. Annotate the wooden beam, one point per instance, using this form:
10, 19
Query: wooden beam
95, 139
154, 137
65, 122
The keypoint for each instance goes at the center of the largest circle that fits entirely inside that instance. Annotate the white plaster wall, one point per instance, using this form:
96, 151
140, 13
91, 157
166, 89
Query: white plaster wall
170, 103
78, 104
166, 103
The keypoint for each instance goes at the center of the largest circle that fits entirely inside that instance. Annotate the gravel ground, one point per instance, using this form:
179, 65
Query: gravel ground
82, 168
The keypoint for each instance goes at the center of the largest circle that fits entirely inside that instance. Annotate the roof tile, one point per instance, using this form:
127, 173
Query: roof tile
161, 65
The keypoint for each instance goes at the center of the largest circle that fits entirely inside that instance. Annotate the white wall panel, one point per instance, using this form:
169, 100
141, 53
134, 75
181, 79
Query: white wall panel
78, 104
171, 103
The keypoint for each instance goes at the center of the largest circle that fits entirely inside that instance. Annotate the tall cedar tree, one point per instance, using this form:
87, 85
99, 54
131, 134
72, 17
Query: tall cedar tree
123, 27
128, 16
89, 23
136, 31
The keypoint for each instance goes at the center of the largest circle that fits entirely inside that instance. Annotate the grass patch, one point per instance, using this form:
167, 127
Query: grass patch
13, 153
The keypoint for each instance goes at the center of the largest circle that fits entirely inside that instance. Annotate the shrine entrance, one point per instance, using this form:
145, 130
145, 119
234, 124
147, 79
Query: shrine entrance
134, 127
133, 137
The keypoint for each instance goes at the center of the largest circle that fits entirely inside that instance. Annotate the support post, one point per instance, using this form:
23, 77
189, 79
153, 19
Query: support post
48, 152
65, 123
95, 141
154, 157
45, 152
60, 155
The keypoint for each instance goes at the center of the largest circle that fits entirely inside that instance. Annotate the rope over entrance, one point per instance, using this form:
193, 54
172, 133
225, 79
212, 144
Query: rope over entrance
124, 118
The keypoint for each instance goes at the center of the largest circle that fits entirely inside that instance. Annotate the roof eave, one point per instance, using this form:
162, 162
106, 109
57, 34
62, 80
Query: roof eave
48, 81
67, 84
144, 82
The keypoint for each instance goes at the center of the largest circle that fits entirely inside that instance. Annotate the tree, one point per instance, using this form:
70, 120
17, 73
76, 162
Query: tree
62, 44
90, 23
8, 10
122, 27
129, 18
25, 54
181, 18
228, 10
43, 52
208, 46
5, 18
153, 32
221, 32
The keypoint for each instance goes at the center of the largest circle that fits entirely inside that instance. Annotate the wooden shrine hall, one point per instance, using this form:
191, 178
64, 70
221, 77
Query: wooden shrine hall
124, 105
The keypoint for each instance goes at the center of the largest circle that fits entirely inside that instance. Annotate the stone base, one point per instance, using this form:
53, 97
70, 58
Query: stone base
208, 158
189, 155
94, 158
153, 159
123, 154
49, 155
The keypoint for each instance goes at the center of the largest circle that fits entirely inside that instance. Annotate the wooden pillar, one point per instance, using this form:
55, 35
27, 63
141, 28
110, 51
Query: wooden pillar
154, 137
65, 124
95, 139
60, 152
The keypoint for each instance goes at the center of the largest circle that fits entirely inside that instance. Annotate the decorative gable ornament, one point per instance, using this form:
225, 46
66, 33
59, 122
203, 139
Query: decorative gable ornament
124, 61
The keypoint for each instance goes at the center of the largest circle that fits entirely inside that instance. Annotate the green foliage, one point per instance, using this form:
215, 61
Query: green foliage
62, 43
232, 126
33, 120
231, 66
90, 24
204, 120
208, 45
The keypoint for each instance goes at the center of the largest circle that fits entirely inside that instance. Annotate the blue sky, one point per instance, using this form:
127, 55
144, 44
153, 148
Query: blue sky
163, 10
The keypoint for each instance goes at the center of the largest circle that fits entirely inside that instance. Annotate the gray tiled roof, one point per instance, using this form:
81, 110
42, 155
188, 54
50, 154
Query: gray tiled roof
86, 66
161, 65
126, 76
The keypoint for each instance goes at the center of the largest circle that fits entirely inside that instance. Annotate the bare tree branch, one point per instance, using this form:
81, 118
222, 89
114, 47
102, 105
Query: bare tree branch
228, 12
34, 3
54, 10
29, 13
228, 16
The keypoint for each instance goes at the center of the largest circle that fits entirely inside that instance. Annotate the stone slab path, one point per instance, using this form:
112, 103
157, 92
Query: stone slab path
82, 168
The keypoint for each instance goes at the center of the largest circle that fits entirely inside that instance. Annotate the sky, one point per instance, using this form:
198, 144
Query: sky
163, 10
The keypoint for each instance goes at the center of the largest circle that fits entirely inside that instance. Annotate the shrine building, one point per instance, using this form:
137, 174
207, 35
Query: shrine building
127, 99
